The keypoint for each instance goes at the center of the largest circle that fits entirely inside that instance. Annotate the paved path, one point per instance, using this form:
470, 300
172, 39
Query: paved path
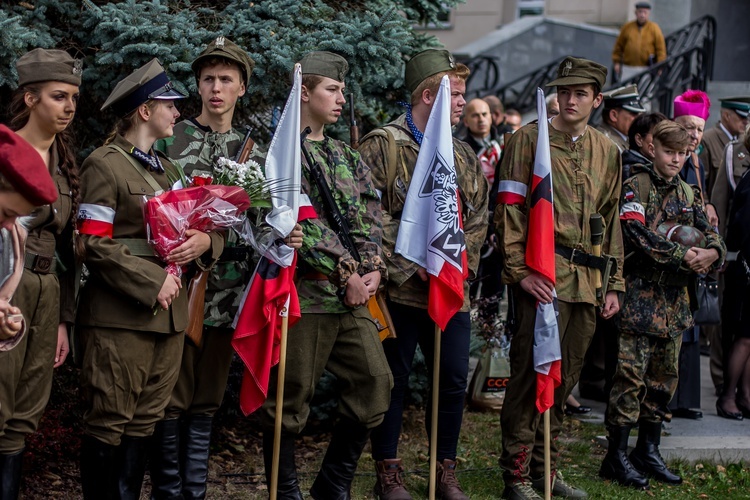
712, 438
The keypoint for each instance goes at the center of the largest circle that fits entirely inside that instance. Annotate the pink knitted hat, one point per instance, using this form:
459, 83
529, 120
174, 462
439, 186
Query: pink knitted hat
693, 103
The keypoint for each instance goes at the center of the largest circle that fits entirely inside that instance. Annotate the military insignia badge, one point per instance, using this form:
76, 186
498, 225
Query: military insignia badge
78, 66
566, 69
451, 61
629, 195
741, 155
220, 42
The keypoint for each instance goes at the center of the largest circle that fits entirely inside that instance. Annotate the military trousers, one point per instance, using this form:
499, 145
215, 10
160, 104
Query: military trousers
203, 374
127, 380
522, 428
348, 346
26, 370
645, 379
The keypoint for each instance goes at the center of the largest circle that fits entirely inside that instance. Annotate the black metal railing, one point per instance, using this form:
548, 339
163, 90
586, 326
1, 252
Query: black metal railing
689, 65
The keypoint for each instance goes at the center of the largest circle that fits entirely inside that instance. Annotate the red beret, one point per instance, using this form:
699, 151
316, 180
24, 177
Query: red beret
24, 169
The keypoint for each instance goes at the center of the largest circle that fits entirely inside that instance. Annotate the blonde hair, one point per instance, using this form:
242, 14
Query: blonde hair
128, 122
671, 135
433, 82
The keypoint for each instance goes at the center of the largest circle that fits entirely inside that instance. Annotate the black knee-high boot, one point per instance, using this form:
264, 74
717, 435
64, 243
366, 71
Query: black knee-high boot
288, 486
166, 483
98, 465
195, 451
10, 475
131, 466
340, 462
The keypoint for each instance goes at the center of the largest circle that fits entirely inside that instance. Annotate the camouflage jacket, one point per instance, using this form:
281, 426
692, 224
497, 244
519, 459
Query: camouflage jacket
322, 252
651, 308
586, 181
404, 286
194, 147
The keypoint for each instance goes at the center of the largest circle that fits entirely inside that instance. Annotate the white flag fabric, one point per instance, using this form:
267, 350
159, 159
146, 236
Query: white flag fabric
431, 231
284, 171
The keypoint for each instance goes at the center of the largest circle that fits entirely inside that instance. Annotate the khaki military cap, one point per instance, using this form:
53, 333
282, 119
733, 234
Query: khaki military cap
741, 105
43, 65
624, 97
224, 47
146, 83
575, 71
326, 64
425, 64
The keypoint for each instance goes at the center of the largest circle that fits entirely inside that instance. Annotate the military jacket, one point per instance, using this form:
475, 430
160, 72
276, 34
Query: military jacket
650, 308
714, 142
194, 147
404, 285
735, 161
586, 181
322, 252
614, 135
122, 288
51, 235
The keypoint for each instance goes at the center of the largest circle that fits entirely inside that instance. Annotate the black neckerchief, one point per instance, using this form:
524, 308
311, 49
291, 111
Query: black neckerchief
151, 161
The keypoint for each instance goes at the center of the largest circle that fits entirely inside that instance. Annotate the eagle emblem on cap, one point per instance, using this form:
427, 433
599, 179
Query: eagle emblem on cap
77, 66
220, 42
566, 69
451, 61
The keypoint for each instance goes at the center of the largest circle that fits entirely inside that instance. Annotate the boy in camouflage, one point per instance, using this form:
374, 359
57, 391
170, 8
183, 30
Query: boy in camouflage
221, 72
336, 331
656, 309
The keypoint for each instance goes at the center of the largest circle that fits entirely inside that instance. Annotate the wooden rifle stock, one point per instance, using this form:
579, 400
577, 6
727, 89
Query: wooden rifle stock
247, 146
196, 306
353, 127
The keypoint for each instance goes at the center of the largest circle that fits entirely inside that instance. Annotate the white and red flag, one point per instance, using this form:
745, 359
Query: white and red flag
431, 231
540, 258
271, 293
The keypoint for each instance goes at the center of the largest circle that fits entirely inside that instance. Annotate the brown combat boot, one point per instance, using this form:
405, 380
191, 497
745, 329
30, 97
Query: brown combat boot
447, 483
389, 485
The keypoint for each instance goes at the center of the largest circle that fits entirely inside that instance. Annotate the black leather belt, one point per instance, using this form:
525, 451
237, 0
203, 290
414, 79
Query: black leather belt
663, 278
234, 254
581, 258
41, 264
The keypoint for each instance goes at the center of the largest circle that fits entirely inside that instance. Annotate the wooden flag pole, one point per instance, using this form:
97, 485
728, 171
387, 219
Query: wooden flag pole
274, 487
547, 458
434, 417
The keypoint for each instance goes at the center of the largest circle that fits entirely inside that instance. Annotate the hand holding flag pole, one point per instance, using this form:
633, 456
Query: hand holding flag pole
431, 235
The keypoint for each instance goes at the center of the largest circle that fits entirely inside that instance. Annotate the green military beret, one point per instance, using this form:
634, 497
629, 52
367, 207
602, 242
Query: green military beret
741, 105
43, 65
425, 64
146, 83
326, 64
575, 71
227, 49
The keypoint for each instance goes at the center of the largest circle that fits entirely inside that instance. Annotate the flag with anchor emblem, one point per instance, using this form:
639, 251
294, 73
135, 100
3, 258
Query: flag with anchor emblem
431, 233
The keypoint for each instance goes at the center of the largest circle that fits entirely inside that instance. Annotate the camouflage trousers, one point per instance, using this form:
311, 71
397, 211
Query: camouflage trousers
645, 379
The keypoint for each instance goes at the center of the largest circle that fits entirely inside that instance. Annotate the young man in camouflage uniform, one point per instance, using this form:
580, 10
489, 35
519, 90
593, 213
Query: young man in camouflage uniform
392, 152
656, 309
336, 331
221, 71
586, 182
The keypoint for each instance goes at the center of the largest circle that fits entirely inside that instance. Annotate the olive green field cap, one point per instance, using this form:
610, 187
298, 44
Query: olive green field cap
323, 63
741, 105
146, 83
626, 98
221, 46
48, 65
425, 64
576, 71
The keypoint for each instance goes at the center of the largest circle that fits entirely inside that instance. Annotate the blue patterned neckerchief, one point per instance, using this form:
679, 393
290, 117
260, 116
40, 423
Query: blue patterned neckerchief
418, 135
150, 161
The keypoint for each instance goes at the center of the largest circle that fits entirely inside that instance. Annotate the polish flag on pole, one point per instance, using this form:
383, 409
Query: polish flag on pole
431, 230
271, 293
540, 258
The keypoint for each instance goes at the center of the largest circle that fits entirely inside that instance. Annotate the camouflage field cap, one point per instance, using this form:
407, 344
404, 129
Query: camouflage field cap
626, 98
224, 47
44, 65
741, 105
425, 64
326, 64
146, 83
576, 71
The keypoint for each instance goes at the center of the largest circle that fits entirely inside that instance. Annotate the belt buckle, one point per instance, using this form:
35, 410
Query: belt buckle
659, 281
573, 253
42, 264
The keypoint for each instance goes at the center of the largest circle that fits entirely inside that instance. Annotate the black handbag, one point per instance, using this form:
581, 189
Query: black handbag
707, 300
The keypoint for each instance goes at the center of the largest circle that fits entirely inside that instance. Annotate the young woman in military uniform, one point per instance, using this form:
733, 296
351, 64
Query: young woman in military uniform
41, 109
131, 312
